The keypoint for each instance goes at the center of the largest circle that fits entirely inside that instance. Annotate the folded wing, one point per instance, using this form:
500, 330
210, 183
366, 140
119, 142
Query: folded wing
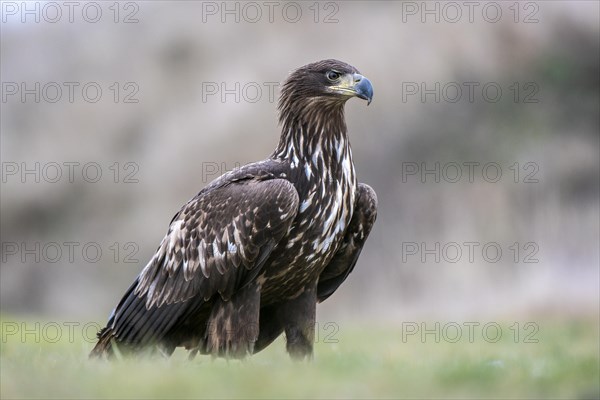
215, 245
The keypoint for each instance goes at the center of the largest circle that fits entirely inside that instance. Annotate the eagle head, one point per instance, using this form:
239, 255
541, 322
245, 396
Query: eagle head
324, 82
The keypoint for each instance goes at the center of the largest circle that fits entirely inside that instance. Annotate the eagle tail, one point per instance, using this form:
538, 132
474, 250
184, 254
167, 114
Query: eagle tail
104, 345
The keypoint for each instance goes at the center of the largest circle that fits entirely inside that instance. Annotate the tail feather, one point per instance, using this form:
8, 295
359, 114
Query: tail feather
104, 345
133, 328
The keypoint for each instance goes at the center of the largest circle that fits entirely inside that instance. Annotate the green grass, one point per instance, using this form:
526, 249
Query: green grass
355, 362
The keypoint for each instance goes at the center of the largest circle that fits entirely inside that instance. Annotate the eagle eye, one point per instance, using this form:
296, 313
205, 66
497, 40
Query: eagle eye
332, 75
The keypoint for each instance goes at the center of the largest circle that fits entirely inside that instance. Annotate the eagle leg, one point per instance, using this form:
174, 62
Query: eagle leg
232, 328
299, 324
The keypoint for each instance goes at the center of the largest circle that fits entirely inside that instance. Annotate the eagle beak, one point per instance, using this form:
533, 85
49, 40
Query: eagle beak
363, 88
355, 85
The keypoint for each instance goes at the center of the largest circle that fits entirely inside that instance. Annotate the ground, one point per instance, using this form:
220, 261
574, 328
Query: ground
351, 361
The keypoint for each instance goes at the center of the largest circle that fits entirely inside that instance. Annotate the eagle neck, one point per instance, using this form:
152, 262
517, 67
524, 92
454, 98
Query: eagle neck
318, 134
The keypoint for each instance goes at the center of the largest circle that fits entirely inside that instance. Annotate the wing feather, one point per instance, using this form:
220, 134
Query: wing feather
207, 243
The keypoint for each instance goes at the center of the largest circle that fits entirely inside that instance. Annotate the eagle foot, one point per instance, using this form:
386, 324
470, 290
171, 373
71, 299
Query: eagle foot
299, 342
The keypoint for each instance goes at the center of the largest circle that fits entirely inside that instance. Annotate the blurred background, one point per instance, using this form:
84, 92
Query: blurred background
482, 143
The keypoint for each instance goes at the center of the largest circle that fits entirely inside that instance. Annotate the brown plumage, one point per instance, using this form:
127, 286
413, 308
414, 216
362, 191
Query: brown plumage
249, 257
